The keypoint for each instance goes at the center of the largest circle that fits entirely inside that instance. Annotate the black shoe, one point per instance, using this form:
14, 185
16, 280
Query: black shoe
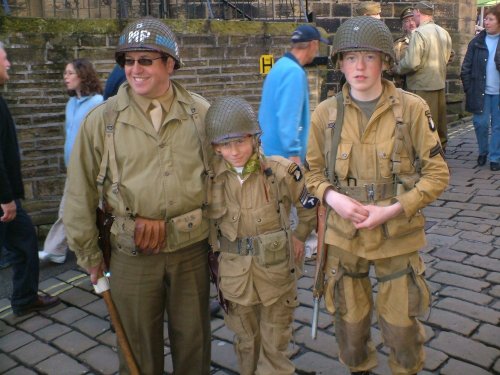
481, 159
495, 166
41, 303
361, 373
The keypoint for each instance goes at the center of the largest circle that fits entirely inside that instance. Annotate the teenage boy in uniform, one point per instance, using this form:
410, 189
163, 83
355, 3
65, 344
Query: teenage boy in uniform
385, 167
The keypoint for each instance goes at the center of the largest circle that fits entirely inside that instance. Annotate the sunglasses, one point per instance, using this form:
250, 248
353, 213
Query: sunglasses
143, 61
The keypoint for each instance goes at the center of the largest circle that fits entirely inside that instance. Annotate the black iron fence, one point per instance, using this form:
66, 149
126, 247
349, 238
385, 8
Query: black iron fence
265, 10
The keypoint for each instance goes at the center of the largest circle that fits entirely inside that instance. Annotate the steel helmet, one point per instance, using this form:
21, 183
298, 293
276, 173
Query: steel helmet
229, 118
363, 34
148, 34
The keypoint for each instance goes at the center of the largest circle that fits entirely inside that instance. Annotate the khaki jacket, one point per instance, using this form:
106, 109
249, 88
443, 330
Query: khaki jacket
425, 60
364, 159
161, 174
249, 210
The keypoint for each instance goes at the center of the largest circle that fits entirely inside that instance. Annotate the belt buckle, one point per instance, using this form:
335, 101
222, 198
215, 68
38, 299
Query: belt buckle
246, 248
370, 192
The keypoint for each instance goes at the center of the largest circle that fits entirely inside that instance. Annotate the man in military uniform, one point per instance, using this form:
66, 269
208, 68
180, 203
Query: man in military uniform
368, 8
424, 64
384, 164
251, 201
401, 44
143, 152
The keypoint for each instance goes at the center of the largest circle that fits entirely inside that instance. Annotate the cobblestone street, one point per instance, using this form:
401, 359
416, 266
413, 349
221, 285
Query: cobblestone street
463, 270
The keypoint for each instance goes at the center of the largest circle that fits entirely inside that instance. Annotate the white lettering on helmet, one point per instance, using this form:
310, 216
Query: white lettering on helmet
138, 36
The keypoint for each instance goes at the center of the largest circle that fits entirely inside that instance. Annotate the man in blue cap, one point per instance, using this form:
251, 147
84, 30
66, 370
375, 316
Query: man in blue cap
284, 108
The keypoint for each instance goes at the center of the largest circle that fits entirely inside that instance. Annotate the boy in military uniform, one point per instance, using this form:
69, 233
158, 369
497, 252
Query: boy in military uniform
385, 166
251, 201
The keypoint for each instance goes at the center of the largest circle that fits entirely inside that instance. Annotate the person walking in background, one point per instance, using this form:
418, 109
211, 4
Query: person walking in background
17, 233
84, 89
374, 192
482, 87
251, 200
142, 153
424, 65
284, 113
408, 25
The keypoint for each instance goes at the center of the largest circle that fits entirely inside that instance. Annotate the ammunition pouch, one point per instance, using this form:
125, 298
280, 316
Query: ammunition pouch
269, 249
402, 226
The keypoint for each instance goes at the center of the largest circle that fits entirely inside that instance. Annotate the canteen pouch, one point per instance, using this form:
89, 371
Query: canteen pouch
273, 248
186, 229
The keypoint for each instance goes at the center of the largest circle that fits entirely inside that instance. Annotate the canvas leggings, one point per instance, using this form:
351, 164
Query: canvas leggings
262, 335
402, 296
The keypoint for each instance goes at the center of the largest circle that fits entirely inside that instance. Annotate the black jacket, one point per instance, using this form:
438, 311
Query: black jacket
11, 183
473, 72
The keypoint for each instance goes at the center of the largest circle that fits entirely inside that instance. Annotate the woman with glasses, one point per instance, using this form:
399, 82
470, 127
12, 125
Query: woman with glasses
84, 89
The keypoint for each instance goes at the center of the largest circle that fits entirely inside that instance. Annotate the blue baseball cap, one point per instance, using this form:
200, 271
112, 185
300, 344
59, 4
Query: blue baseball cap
306, 33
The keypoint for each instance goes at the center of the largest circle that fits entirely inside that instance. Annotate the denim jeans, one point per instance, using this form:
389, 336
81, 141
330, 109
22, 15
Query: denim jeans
18, 237
491, 114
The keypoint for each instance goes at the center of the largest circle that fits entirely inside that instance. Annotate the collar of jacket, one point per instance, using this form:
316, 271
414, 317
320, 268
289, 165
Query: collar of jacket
221, 166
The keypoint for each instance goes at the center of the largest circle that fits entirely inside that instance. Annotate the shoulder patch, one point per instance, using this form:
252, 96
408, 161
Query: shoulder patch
307, 200
294, 170
436, 150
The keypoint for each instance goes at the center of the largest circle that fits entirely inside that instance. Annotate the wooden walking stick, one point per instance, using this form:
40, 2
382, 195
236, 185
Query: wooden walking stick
102, 288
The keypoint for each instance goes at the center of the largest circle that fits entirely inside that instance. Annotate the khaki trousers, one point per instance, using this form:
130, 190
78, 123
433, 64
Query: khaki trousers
437, 104
144, 287
262, 336
401, 297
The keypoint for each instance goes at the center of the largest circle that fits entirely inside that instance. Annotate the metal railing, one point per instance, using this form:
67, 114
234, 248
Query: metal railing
260, 10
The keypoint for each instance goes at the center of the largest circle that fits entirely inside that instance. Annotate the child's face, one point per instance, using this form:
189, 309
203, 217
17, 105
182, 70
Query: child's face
236, 152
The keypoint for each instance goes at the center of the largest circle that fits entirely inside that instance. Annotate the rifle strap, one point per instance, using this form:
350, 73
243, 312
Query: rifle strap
335, 123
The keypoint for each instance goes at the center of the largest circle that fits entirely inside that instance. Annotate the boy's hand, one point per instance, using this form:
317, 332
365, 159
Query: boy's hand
298, 249
346, 207
378, 215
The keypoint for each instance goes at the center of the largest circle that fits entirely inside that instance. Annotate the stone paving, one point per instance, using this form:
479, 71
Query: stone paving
463, 326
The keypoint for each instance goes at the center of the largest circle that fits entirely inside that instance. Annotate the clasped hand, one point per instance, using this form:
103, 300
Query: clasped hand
362, 216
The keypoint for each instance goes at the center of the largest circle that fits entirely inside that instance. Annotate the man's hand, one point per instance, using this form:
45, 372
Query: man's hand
149, 235
346, 207
96, 272
378, 215
9, 212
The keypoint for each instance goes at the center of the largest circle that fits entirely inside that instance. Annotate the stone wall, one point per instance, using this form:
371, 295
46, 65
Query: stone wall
220, 57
